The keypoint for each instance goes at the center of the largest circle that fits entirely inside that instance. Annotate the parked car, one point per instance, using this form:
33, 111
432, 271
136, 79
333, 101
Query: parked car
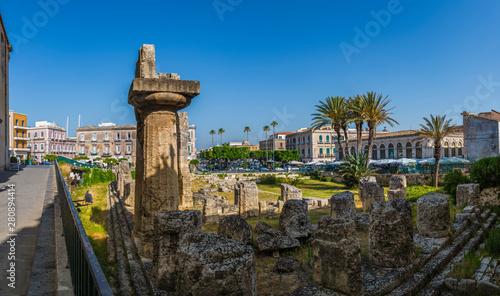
280, 169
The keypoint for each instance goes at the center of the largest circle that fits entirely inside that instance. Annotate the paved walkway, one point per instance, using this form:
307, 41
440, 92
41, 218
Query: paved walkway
30, 193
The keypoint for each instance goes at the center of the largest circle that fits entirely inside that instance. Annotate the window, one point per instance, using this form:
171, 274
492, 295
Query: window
308, 151
41, 147
106, 136
328, 139
308, 139
459, 149
391, 151
17, 133
320, 139
366, 150
304, 140
328, 150
41, 134
382, 151
446, 150
22, 123
303, 152
399, 148
106, 149
409, 152
22, 134
118, 136
117, 149
17, 122
353, 151
298, 141
29, 135
94, 136
94, 149
36, 147
82, 150
82, 137
453, 151
374, 152
36, 135
129, 149
320, 150
51, 134
418, 150
189, 148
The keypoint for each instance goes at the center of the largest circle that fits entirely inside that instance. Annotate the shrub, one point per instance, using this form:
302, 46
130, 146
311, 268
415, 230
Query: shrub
486, 172
268, 179
416, 191
354, 169
492, 245
13, 159
132, 173
295, 182
222, 176
328, 179
452, 180
62, 163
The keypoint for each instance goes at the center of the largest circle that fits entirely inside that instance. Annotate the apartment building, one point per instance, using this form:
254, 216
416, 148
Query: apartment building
47, 138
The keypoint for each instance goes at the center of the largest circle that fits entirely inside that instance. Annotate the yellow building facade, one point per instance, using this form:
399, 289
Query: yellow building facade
18, 135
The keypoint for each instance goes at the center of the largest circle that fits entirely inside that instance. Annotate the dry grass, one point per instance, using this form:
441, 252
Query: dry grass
65, 170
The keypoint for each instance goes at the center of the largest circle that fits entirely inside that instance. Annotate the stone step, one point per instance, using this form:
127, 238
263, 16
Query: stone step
420, 279
121, 257
435, 286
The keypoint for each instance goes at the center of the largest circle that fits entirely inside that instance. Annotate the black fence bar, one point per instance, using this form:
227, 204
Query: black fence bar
86, 273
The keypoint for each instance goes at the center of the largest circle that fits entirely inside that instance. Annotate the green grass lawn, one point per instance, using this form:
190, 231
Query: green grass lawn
311, 188
93, 217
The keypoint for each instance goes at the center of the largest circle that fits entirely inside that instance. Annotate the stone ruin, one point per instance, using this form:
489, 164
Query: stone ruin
337, 257
433, 215
468, 195
125, 184
342, 204
270, 239
391, 233
290, 192
159, 186
246, 196
294, 220
397, 187
235, 227
370, 192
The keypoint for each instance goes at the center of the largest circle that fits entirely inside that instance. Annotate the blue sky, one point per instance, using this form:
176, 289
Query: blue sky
257, 61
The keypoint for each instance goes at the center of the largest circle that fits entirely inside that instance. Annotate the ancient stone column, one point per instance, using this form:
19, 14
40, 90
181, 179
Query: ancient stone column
208, 264
169, 228
235, 227
139, 179
290, 192
186, 195
157, 98
294, 220
341, 202
337, 256
433, 215
372, 192
246, 196
468, 194
391, 234
397, 187
123, 175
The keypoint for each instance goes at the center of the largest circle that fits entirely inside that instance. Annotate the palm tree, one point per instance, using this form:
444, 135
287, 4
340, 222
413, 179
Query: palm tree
331, 113
355, 168
375, 114
247, 130
220, 132
356, 110
212, 133
436, 129
274, 124
266, 129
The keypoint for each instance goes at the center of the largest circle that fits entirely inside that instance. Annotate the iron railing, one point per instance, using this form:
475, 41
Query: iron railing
86, 273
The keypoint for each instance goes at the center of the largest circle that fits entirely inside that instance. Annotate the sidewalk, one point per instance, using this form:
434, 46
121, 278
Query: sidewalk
30, 192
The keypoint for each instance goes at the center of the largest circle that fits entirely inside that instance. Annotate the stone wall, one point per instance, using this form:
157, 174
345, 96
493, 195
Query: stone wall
185, 193
481, 136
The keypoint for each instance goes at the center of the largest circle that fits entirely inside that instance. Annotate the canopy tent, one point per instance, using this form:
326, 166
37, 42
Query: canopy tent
444, 160
405, 161
294, 162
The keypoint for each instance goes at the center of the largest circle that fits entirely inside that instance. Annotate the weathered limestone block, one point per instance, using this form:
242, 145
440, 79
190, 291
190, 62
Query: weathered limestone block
372, 192
290, 192
270, 239
288, 264
122, 175
433, 215
185, 193
361, 184
391, 233
208, 264
210, 211
337, 256
397, 182
468, 194
393, 194
280, 205
262, 207
489, 197
169, 229
347, 214
246, 196
235, 227
294, 220
340, 202
129, 192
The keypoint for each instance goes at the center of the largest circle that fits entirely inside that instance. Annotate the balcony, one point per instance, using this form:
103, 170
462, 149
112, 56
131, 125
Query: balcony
94, 140
106, 140
93, 153
22, 149
128, 140
117, 140
82, 153
21, 139
20, 127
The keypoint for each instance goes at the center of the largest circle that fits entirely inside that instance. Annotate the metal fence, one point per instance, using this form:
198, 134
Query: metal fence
86, 273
